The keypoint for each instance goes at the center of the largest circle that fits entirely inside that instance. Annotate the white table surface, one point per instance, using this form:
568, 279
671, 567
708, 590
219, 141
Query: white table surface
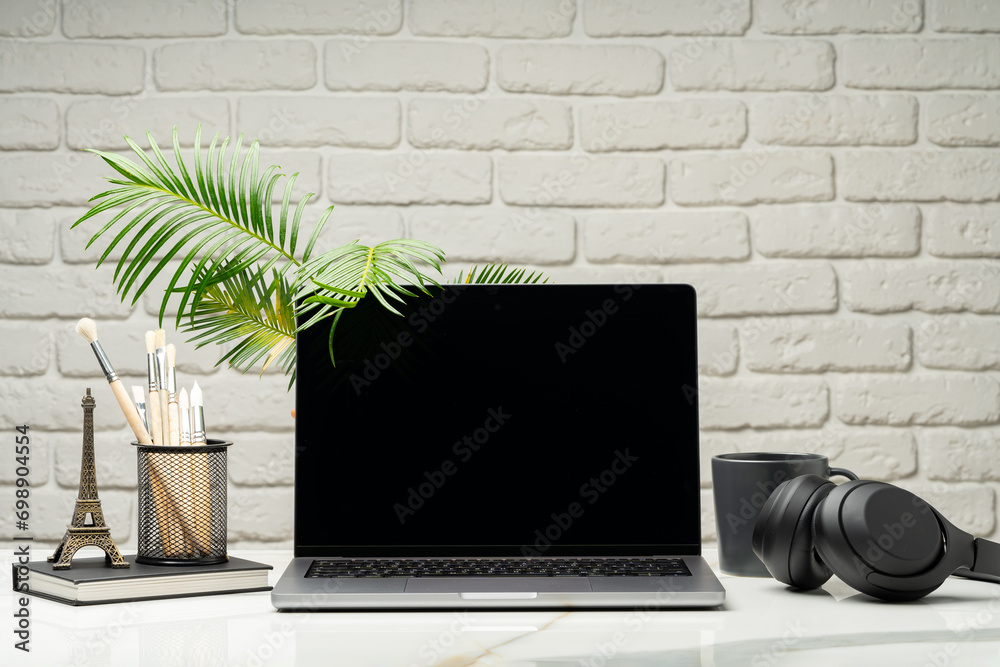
762, 624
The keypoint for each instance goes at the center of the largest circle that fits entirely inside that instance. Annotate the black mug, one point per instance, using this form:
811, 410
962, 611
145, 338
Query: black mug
741, 483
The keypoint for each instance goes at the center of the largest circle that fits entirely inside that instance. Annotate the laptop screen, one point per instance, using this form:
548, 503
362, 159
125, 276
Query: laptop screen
520, 420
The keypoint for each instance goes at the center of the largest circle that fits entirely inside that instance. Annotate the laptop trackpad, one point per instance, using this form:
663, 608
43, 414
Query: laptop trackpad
498, 585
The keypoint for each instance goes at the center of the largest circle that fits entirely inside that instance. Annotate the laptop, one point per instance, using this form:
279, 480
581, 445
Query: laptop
501, 446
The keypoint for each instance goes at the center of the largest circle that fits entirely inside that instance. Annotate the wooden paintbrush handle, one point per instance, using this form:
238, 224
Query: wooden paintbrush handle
130, 412
173, 424
164, 420
155, 418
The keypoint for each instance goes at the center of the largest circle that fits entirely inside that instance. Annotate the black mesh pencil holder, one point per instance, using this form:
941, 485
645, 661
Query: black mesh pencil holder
182, 504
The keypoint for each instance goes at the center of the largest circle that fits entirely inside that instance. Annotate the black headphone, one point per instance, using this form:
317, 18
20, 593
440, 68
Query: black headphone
878, 538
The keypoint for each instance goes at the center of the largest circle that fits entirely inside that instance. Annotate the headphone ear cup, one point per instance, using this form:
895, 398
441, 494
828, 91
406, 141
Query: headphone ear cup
783, 534
805, 568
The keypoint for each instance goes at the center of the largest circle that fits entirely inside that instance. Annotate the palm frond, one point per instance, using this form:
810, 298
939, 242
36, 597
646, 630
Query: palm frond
239, 276
205, 221
499, 273
254, 309
336, 280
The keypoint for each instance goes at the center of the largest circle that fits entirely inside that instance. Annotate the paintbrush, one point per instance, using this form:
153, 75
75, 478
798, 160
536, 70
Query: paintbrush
155, 416
173, 414
160, 355
88, 329
185, 463
201, 488
197, 417
140, 405
185, 408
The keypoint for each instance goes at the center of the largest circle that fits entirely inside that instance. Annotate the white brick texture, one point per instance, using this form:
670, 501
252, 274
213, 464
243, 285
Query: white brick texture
222, 65
71, 68
762, 403
666, 237
928, 175
471, 123
628, 18
962, 400
958, 455
964, 15
27, 18
752, 65
28, 123
26, 236
718, 348
49, 179
103, 123
760, 177
963, 231
746, 290
964, 120
824, 172
318, 17
837, 230
317, 121
150, 18
492, 18
824, 17
835, 120
581, 180
558, 69
403, 65
651, 125
484, 235
959, 343
921, 64
938, 287
28, 351
412, 178
779, 345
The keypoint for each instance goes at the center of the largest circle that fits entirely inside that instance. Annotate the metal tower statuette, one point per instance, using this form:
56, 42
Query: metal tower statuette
80, 534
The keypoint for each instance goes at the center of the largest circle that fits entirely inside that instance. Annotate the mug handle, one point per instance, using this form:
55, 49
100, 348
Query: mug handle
843, 472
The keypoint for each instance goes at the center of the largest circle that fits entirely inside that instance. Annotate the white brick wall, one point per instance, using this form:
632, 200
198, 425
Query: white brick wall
824, 173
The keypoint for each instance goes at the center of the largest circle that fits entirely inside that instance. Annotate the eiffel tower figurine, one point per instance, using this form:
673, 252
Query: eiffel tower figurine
80, 534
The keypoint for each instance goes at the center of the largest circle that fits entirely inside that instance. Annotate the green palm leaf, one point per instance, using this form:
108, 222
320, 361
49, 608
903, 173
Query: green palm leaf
238, 277
499, 273
204, 222
253, 309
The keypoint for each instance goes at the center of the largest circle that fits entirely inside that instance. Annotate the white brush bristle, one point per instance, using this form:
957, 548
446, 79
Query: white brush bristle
150, 341
161, 338
196, 395
88, 329
171, 355
182, 400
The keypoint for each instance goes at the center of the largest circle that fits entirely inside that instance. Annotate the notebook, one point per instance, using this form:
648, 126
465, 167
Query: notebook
91, 581
501, 446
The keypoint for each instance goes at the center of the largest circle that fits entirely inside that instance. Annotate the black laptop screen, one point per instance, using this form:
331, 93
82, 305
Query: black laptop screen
535, 420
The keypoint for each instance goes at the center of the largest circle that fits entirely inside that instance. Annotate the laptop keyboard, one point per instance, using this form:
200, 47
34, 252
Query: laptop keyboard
497, 567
